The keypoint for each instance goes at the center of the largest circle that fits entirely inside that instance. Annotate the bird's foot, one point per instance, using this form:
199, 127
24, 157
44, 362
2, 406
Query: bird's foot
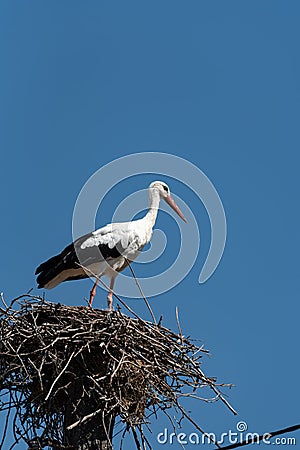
91, 300
92, 296
109, 301
93, 293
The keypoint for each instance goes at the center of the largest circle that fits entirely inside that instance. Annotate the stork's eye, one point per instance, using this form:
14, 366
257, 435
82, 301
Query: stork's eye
165, 188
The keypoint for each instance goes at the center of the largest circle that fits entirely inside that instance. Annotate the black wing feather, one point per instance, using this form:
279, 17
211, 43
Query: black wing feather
71, 256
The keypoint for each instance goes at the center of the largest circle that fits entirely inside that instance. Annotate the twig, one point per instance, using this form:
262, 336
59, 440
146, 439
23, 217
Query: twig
141, 291
197, 426
178, 323
58, 376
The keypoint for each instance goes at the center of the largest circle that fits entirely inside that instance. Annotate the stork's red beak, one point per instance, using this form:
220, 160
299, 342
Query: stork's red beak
173, 205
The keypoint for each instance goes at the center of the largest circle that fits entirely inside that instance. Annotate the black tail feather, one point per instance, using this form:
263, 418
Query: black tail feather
49, 269
67, 259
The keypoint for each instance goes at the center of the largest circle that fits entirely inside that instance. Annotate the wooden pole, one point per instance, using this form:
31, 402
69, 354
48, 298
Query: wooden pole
93, 431
95, 434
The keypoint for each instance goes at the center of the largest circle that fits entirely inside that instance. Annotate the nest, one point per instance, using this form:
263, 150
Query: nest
66, 369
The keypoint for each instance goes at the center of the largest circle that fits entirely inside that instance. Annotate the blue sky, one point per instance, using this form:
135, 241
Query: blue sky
83, 83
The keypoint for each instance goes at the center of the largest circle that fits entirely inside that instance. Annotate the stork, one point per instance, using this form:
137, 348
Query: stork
107, 250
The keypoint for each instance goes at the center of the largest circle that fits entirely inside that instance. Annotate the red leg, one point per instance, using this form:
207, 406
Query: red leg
110, 294
93, 293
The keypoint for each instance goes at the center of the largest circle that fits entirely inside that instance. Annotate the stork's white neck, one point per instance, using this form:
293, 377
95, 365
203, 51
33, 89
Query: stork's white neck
154, 199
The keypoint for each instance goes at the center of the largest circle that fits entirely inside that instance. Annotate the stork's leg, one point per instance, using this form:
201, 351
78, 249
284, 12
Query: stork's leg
110, 294
93, 293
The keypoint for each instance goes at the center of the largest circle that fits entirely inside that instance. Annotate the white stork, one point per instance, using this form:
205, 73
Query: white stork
107, 250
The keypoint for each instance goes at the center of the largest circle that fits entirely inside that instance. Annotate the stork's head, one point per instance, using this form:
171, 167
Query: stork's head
164, 192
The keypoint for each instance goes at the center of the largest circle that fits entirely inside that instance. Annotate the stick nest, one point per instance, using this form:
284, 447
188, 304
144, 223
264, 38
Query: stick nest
54, 357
